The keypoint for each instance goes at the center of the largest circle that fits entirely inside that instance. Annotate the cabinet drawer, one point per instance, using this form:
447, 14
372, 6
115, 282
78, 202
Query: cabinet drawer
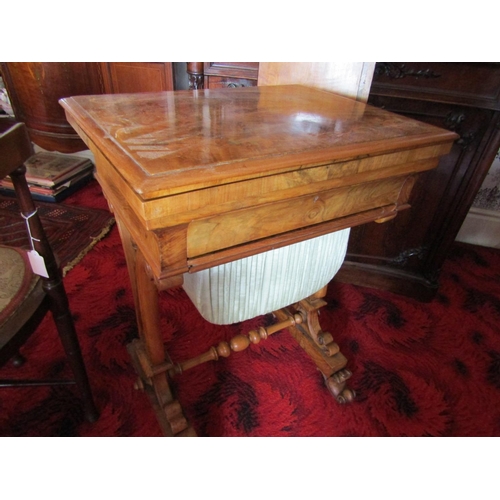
233, 69
222, 82
238, 227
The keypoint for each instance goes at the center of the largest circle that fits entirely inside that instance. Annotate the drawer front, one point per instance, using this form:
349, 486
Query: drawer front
224, 82
232, 69
242, 226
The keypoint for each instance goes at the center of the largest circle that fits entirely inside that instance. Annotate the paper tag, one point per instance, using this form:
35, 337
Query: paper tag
37, 263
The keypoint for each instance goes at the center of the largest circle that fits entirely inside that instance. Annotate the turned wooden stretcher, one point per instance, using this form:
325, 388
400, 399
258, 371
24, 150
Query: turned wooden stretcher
198, 179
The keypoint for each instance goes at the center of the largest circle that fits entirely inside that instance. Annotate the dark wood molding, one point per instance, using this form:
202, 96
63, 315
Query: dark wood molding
406, 255
398, 70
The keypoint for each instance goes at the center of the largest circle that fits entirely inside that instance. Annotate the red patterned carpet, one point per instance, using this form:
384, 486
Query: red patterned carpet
419, 369
73, 231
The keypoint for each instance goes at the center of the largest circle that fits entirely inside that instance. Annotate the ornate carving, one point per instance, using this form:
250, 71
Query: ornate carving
402, 258
466, 140
454, 121
322, 348
395, 71
175, 423
336, 384
195, 82
195, 75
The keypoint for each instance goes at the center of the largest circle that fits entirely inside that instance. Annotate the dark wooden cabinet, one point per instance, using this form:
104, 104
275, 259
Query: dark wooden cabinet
35, 89
405, 255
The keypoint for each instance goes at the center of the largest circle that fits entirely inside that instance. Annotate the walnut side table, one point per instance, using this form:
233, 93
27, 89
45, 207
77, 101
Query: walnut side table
191, 175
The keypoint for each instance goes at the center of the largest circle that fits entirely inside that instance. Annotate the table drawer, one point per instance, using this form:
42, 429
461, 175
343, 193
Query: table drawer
234, 228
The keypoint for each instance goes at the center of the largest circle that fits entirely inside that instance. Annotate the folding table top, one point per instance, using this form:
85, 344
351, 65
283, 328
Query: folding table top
174, 142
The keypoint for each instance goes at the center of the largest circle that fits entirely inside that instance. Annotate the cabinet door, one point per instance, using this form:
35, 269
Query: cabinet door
132, 77
405, 255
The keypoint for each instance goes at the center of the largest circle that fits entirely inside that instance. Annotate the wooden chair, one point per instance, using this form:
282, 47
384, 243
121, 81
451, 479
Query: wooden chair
25, 297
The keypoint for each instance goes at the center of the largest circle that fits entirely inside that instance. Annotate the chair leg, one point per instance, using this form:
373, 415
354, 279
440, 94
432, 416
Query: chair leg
67, 333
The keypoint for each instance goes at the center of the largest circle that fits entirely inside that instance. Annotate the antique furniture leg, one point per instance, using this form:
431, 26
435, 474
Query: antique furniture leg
66, 329
319, 345
148, 354
195, 75
53, 286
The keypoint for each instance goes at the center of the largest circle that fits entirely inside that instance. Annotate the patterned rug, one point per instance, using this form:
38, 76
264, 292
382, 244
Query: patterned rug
419, 369
72, 231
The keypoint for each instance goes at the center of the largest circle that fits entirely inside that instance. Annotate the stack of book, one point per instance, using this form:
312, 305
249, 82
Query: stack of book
53, 176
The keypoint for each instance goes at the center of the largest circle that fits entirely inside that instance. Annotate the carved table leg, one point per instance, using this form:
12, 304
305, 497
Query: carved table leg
148, 354
319, 345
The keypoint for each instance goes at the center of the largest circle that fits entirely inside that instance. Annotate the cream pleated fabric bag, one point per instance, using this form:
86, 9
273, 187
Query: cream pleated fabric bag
265, 282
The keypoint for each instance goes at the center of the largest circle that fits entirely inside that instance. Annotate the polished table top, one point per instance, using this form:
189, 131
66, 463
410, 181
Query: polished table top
178, 141
226, 168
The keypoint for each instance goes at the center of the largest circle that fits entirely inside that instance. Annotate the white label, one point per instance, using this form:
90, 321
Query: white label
37, 263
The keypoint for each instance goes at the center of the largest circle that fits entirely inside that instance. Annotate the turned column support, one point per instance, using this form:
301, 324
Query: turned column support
236, 344
195, 75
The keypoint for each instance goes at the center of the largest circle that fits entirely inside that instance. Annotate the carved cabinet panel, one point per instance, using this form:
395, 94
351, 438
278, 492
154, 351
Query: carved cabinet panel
469, 84
405, 255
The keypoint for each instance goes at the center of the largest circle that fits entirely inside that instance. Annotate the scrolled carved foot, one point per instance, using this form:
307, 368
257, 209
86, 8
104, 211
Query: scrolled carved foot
326, 343
154, 381
336, 384
178, 423
346, 396
341, 375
